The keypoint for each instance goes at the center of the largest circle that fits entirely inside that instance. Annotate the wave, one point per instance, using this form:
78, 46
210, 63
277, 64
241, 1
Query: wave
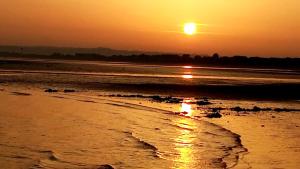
143, 144
220, 138
234, 152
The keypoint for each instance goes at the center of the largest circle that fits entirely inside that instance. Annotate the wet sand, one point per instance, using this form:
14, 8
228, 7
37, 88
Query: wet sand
59, 130
272, 139
85, 130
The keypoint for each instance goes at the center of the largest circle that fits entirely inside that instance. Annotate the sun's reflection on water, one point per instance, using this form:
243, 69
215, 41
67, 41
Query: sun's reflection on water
185, 138
187, 73
186, 108
184, 145
187, 67
187, 76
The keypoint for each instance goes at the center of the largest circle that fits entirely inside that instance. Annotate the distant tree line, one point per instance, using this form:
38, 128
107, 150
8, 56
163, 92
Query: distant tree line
176, 59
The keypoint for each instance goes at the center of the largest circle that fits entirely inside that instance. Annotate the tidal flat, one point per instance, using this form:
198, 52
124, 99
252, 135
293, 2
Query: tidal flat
62, 114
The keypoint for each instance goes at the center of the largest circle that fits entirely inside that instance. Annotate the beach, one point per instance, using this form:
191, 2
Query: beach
139, 84
73, 114
272, 140
88, 130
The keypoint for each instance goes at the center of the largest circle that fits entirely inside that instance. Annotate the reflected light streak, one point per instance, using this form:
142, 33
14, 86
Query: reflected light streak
187, 67
184, 146
186, 108
187, 76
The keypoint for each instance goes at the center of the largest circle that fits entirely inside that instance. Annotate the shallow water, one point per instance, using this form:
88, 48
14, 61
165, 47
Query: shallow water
84, 130
144, 73
74, 132
189, 81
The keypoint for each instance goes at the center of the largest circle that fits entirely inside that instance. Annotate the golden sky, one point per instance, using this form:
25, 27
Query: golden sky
229, 27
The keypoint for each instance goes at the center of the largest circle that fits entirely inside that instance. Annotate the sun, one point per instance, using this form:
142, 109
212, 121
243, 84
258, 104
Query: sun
190, 28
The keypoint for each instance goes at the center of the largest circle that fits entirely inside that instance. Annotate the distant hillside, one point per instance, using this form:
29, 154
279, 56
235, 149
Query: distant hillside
48, 50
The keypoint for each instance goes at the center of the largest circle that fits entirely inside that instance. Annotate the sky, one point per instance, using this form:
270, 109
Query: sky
229, 27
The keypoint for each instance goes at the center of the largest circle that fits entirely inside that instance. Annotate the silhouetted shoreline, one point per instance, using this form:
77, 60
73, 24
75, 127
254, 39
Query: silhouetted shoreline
171, 59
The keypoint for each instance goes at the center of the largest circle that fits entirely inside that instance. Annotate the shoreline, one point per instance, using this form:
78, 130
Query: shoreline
68, 102
267, 139
266, 149
272, 92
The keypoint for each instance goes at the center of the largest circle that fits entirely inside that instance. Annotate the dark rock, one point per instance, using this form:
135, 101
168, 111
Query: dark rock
278, 110
173, 100
205, 98
51, 90
21, 94
267, 109
106, 166
217, 109
237, 109
256, 109
285, 110
185, 113
203, 102
177, 113
168, 99
214, 114
156, 98
69, 90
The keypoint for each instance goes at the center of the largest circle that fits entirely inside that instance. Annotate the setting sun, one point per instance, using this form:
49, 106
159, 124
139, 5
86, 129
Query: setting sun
182, 84
190, 28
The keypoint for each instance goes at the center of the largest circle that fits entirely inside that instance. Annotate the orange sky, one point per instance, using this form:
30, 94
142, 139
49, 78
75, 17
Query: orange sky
245, 27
